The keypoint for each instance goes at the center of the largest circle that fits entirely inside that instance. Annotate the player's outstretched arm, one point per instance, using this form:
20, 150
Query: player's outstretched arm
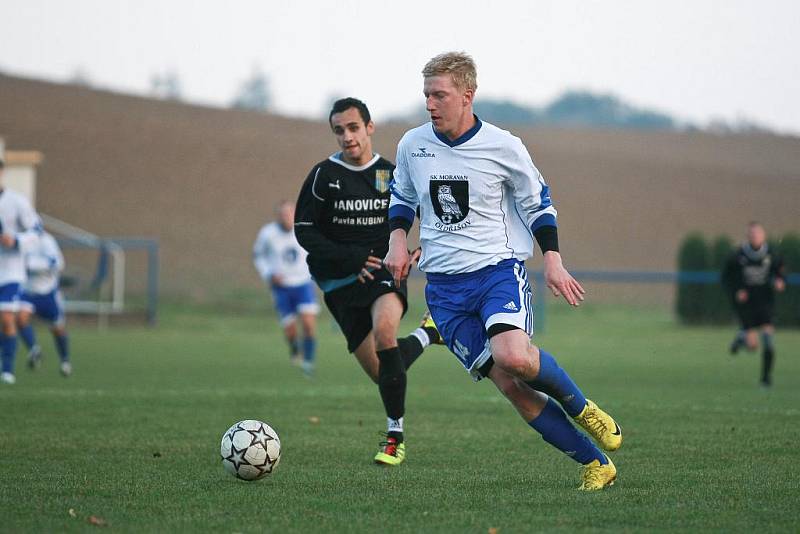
560, 282
398, 260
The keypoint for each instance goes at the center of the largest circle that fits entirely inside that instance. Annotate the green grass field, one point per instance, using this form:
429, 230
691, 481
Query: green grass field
133, 437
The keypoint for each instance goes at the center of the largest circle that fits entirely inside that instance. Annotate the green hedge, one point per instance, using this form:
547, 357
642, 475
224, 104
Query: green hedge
719, 309
693, 256
710, 303
787, 307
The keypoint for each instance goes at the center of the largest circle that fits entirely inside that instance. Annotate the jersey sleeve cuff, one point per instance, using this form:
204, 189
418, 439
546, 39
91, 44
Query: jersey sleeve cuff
547, 219
401, 223
401, 217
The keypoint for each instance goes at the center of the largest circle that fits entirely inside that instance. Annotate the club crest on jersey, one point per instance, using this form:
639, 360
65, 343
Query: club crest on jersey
450, 199
382, 179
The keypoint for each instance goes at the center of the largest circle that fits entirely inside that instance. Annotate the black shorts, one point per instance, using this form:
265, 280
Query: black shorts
755, 314
351, 305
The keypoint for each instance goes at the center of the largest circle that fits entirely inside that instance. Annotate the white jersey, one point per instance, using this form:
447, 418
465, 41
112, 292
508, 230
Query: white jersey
17, 218
277, 251
44, 262
480, 197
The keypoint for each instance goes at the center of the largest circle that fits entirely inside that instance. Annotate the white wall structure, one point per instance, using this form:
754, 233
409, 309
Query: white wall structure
19, 173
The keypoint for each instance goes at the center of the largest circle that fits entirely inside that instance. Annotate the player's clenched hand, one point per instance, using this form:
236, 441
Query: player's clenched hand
373, 263
560, 282
398, 260
780, 285
7, 240
415, 254
741, 296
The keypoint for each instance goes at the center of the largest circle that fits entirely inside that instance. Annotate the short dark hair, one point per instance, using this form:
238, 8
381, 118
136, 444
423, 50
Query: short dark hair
343, 104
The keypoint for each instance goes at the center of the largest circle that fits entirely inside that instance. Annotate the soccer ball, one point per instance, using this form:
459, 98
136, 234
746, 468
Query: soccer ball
250, 450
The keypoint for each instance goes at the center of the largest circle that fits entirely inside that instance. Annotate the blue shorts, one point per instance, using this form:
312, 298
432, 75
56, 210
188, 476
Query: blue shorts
49, 306
9, 297
289, 301
464, 306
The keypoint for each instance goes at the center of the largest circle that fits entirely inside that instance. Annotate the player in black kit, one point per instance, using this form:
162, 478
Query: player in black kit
752, 275
342, 221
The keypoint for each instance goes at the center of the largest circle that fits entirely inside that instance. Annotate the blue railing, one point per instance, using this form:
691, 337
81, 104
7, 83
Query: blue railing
149, 246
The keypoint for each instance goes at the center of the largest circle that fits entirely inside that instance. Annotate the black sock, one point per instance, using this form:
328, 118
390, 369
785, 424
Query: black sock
294, 348
767, 361
398, 436
392, 385
433, 334
410, 349
739, 341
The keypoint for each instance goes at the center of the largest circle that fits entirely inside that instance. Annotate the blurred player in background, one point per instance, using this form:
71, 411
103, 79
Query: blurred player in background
342, 222
752, 275
41, 296
482, 203
19, 229
281, 263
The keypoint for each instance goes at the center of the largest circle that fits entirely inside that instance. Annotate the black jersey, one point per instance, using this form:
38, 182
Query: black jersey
342, 216
754, 271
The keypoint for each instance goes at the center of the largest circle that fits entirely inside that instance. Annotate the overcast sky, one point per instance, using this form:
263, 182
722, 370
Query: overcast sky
695, 59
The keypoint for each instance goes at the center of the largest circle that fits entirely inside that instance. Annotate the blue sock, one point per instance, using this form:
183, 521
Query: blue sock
554, 381
309, 349
8, 348
28, 335
559, 432
62, 346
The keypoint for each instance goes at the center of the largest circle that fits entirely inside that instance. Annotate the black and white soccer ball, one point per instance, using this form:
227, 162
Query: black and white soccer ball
250, 450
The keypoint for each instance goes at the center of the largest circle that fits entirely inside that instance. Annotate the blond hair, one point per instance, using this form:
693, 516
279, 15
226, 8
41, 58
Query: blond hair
459, 65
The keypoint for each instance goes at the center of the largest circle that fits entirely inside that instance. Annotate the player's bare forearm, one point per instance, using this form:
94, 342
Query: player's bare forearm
398, 260
560, 282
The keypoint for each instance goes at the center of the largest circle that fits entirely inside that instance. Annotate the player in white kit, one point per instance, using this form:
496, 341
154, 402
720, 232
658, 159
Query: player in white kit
41, 296
281, 263
482, 202
19, 229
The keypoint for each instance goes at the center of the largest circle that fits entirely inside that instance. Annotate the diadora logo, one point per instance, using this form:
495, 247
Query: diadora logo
423, 153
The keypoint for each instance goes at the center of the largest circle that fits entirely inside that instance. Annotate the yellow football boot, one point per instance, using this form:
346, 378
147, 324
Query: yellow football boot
428, 324
391, 452
596, 476
601, 426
